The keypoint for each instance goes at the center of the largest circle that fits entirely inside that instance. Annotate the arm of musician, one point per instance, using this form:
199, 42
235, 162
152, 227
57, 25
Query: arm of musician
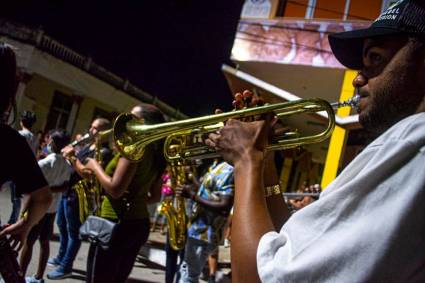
223, 204
117, 184
81, 170
251, 218
276, 205
243, 144
196, 182
35, 206
68, 152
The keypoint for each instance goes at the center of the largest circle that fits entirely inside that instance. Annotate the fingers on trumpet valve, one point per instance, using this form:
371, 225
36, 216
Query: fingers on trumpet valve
247, 99
212, 140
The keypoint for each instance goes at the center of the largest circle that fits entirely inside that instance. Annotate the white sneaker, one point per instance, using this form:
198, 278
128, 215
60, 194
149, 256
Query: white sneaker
32, 279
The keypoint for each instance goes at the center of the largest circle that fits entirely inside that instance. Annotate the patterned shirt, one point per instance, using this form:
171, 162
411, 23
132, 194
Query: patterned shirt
208, 225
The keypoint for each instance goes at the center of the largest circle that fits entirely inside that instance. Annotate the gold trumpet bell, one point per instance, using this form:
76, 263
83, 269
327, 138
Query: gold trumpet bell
129, 143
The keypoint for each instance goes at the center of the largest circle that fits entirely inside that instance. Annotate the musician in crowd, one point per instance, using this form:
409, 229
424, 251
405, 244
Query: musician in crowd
57, 172
174, 258
368, 224
213, 201
68, 216
126, 186
24, 172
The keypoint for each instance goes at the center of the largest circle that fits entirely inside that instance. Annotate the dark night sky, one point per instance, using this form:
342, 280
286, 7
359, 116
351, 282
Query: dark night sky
172, 49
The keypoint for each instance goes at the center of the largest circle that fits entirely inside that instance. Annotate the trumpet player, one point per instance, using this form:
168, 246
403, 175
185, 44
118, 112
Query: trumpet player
368, 225
68, 218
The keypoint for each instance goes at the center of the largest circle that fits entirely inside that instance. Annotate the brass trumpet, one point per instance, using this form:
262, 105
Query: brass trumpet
131, 135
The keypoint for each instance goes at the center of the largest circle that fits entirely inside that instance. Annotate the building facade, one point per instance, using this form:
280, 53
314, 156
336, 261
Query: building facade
281, 52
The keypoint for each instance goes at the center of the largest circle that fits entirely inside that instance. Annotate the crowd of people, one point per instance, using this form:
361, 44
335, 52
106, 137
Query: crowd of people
367, 226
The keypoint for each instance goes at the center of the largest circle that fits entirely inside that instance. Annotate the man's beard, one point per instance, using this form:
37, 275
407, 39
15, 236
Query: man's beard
388, 106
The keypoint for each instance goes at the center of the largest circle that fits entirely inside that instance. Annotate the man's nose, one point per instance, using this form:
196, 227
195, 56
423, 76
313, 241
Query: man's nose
360, 80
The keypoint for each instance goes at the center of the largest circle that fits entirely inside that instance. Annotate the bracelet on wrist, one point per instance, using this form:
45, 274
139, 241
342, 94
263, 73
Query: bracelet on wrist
273, 190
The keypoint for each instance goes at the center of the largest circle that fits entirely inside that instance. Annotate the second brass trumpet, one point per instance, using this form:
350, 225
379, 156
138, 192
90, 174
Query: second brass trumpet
131, 135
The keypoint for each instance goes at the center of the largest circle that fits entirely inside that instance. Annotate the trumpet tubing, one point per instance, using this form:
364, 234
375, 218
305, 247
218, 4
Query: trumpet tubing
132, 135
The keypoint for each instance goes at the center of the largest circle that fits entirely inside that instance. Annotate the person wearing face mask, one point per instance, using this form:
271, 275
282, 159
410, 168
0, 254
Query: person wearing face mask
57, 172
368, 225
68, 218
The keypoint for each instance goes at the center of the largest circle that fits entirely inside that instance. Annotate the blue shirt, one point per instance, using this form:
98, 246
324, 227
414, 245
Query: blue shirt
208, 225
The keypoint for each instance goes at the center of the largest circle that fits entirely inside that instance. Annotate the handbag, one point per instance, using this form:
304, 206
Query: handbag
99, 231
102, 231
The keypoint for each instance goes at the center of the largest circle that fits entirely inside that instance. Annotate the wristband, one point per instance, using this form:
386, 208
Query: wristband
272, 190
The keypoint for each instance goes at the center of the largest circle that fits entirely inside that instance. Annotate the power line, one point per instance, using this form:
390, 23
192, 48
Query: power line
265, 40
283, 27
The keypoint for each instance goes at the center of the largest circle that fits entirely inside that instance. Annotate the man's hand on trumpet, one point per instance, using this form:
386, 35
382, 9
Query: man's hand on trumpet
250, 135
239, 140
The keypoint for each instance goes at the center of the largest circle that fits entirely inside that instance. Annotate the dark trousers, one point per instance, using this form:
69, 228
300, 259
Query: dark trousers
16, 203
171, 266
114, 265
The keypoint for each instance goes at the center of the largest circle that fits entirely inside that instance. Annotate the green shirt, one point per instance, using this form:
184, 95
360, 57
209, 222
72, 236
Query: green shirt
145, 176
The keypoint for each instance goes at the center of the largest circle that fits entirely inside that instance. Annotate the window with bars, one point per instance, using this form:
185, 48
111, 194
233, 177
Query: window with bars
59, 112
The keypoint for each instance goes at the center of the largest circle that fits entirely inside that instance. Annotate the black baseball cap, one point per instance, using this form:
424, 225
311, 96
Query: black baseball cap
403, 17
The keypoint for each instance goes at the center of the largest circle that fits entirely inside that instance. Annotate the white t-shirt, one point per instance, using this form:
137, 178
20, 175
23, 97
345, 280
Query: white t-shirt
56, 170
367, 226
31, 139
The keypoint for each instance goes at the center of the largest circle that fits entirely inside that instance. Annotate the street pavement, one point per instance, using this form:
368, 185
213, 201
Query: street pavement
149, 266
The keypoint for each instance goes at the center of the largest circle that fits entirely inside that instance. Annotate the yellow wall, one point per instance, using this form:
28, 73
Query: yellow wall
40, 91
338, 139
38, 98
